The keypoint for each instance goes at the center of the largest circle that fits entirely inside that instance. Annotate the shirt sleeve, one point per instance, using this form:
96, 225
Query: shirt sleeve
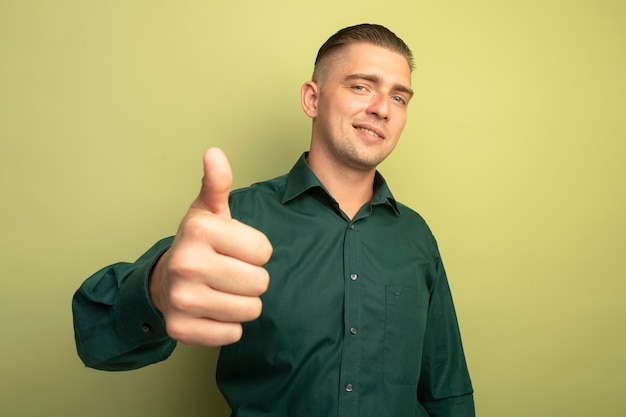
444, 387
116, 326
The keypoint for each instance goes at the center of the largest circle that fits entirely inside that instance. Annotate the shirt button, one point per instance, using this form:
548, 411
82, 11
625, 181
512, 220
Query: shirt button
353, 330
351, 227
353, 277
349, 388
146, 328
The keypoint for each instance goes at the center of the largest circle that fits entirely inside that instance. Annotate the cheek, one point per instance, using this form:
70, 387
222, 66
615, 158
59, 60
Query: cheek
399, 123
348, 105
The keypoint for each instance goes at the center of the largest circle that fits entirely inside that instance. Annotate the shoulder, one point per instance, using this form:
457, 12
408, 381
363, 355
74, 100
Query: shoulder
266, 188
409, 215
248, 201
412, 220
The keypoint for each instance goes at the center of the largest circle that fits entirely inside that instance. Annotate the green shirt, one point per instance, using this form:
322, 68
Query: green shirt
357, 321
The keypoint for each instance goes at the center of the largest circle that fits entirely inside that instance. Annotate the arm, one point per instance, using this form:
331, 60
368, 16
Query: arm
116, 326
196, 288
444, 388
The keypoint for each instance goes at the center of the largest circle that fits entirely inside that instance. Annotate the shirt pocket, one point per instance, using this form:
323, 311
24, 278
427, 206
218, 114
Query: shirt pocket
405, 322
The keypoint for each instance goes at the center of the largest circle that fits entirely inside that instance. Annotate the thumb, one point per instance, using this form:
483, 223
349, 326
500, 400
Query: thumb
216, 183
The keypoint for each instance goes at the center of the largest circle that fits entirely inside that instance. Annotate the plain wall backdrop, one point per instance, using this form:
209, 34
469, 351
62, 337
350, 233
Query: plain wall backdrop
514, 153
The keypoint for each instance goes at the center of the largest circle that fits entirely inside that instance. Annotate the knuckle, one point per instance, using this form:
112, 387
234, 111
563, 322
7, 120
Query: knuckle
198, 225
181, 300
176, 330
185, 262
192, 223
179, 264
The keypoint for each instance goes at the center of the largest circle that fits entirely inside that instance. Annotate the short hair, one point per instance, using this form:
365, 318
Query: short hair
367, 33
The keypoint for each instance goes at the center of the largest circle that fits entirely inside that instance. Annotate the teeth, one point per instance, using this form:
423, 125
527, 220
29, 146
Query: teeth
369, 132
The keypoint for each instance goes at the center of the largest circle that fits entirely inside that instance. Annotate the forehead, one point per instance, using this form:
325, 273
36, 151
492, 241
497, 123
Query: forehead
366, 58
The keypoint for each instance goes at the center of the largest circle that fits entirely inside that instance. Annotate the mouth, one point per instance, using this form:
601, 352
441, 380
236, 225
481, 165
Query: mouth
370, 130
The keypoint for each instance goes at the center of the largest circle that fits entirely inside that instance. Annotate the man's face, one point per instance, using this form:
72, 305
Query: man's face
362, 97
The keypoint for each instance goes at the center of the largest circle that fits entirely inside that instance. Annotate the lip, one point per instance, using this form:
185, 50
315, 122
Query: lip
374, 129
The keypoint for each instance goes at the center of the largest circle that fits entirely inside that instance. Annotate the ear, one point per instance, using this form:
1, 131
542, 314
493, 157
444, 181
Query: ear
309, 95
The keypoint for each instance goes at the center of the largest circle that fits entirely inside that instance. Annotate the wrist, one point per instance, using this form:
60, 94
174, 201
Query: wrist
155, 280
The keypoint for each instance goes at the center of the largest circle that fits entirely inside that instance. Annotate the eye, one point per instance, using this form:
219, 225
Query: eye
399, 100
359, 87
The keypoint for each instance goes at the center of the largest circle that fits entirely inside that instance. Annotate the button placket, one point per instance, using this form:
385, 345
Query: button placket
351, 356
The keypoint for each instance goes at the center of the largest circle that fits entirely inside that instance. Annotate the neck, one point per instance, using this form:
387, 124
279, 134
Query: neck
351, 188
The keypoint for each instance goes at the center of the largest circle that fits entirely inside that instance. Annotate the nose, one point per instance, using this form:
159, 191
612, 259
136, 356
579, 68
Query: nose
379, 106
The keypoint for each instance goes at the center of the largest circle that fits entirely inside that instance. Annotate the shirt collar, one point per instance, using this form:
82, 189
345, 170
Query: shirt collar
301, 178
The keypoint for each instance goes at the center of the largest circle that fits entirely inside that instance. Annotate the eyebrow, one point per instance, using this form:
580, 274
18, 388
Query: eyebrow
377, 79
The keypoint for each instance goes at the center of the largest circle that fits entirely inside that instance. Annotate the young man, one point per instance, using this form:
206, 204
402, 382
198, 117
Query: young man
357, 320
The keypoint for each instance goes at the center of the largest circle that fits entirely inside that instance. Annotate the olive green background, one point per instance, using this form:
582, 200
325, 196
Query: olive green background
514, 153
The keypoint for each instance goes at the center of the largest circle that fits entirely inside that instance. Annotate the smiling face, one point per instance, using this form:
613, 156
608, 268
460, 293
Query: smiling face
358, 105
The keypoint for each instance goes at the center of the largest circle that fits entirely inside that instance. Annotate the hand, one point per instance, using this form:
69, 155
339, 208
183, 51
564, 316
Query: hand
210, 279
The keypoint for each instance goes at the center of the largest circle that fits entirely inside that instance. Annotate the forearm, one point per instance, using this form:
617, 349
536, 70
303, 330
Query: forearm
116, 326
461, 406
445, 387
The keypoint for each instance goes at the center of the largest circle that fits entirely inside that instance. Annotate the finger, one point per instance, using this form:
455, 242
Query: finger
240, 241
216, 183
204, 332
221, 272
217, 305
227, 307
217, 234
243, 278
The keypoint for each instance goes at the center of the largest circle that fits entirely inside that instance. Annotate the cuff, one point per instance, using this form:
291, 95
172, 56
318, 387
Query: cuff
137, 317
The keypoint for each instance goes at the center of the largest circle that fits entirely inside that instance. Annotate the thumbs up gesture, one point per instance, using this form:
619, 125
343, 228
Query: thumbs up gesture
211, 278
